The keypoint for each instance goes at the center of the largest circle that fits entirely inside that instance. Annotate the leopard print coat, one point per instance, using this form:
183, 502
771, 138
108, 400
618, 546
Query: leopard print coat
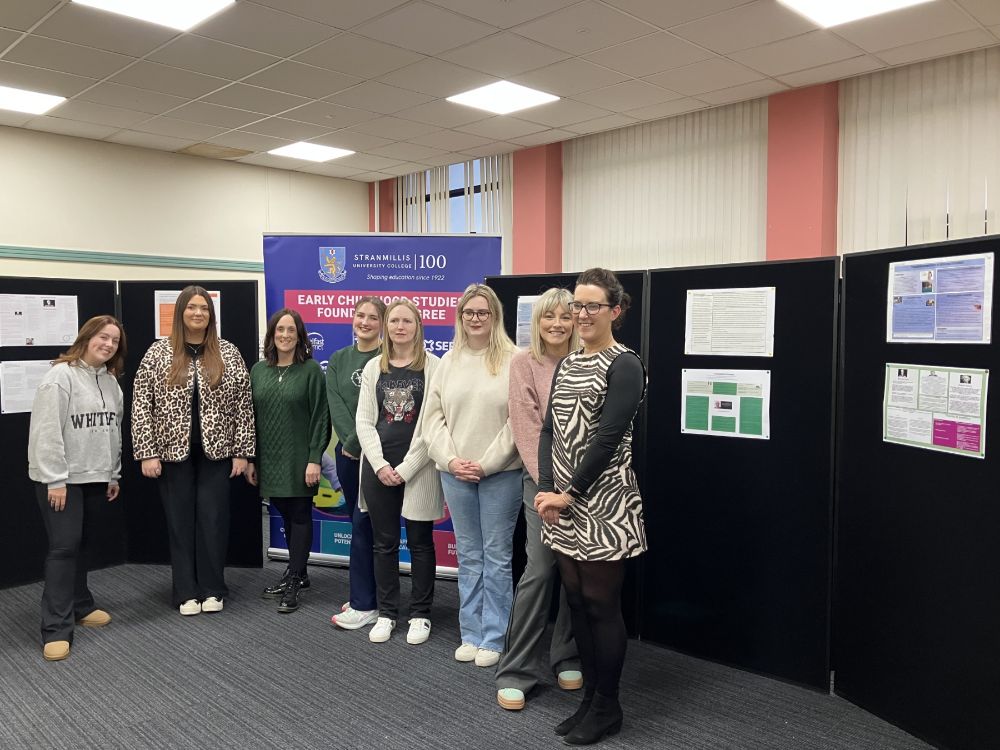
161, 414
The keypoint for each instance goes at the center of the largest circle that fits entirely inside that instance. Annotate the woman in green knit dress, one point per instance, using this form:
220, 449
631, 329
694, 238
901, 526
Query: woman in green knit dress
293, 430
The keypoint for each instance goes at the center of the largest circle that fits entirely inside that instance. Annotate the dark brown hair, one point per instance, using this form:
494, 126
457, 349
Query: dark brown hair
303, 347
90, 329
211, 358
613, 290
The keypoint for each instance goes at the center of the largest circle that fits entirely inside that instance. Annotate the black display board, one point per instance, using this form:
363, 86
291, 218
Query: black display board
738, 569
23, 543
631, 334
147, 531
917, 598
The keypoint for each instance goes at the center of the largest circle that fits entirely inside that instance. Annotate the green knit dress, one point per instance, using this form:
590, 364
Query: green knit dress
293, 425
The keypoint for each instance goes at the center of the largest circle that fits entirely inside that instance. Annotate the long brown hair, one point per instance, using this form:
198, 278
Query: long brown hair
211, 358
419, 353
115, 365
303, 348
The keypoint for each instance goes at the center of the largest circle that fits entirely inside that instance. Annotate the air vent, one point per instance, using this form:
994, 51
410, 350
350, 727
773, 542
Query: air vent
214, 151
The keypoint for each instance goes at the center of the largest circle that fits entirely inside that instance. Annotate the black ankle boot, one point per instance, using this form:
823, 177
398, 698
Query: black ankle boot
275, 591
290, 598
603, 720
567, 726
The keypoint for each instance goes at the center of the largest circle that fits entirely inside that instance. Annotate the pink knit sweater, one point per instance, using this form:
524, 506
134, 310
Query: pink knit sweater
530, 382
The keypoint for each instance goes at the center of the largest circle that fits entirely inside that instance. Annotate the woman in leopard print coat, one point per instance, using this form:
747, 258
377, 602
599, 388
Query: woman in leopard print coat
193, 430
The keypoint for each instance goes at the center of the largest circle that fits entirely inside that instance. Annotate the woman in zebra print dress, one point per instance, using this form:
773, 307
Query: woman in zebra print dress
588, 496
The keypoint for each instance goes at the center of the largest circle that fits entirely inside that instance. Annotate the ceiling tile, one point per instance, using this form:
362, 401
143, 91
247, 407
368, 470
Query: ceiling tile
168, 80
272, 161
129, 97
377, 97
372, 176
584, 28
569, 77
14, 119
649, 54
74, 128
754, 90
249, 141
490, 149
395, 129
507, 13
833, 72
437, 78
546, 136
708, 75
212, 114
8, 37
43, 81
987, 12
358, 56
151, 140
332, 169
424, 28
501, 128
340, 13
628, 95
451, 140
108, 31
667, 109
504, 55
407, 151
304, 80
906, 26
674, 12
255, 99
65, 57
211, 57
602, 123
798, 53
444, 114
175, 128
561, 113
446, 159
747, 26
99, 114
367, 161
265, 30
329, 116
406, 168
996, 31
351, 140
939, 47
278, 127
23, 14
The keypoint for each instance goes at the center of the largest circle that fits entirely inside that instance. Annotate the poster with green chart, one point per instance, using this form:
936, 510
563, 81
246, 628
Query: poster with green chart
729, 403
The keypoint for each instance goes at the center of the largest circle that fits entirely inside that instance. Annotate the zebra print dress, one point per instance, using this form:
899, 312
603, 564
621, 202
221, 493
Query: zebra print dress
606, 522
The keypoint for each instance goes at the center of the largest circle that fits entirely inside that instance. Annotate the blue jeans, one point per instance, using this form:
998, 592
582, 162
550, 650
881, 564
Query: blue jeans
484, 516
362, 567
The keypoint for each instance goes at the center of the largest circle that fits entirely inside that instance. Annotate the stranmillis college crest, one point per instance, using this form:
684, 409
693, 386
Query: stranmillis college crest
333, 264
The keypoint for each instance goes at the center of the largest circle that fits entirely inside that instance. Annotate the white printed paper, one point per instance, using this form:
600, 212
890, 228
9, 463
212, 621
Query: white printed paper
164, 301
726, 403
525, 306
730, 322
18, 383
38, 319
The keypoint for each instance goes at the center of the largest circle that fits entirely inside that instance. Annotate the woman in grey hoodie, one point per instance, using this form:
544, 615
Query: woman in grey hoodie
75, 459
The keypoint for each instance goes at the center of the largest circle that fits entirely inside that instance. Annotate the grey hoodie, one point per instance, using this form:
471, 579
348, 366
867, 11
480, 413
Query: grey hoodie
75, 434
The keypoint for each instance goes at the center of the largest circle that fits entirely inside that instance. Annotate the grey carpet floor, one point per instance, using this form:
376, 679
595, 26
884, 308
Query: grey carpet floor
249, 677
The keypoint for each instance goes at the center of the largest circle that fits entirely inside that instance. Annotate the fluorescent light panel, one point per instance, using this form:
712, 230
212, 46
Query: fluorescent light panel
503, 97
835, 12
310, 151
31, 102
177, 14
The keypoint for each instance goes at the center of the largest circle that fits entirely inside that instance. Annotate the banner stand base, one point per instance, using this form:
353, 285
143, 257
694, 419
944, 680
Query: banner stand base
341, 561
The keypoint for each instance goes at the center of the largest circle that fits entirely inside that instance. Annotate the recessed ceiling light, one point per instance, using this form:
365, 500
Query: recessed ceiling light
828, 13
310, 151
503, 97
177, 14
31, 102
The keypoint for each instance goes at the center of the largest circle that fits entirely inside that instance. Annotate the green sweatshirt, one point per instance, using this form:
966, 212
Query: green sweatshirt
343, 386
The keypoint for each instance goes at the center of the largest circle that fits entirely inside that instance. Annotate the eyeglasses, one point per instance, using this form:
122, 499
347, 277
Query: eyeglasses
476, 314
592, 308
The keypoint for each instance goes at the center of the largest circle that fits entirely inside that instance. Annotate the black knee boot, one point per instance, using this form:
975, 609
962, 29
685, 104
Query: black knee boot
567, 726
603, 720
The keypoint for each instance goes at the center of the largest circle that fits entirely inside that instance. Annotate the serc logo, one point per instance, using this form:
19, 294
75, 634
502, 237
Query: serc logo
333, 264
316, 339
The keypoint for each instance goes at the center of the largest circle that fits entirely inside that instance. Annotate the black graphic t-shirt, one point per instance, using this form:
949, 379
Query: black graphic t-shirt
400, 393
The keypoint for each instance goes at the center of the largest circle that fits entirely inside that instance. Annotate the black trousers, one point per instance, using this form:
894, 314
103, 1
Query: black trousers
296, 512
66, 597
195, 494
384, 507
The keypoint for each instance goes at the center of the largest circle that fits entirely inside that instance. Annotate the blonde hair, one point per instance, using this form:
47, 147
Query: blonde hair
500, 344
419, 353
549, 301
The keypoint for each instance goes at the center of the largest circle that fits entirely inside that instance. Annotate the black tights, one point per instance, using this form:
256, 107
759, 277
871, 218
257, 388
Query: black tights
594, 593
296, 512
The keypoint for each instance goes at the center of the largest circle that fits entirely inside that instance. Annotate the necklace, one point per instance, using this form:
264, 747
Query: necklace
281, 373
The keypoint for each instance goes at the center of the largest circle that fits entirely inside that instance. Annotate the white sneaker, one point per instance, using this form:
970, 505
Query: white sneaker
212, 604
190, 607
420, 630
352, 619
486, 657
382, 630
466, 652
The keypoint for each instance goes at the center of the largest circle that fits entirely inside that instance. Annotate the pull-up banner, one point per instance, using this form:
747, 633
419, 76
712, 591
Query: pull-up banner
322, 277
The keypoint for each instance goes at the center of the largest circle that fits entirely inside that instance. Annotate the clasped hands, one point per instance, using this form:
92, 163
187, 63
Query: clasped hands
550, 504
467, 471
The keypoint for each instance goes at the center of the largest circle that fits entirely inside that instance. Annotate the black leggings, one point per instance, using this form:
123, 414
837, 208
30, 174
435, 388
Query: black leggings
594, 593
297, 515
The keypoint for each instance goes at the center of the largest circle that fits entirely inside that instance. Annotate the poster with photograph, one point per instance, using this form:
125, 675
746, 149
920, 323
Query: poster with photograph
525, 306
38, 319
727, 403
